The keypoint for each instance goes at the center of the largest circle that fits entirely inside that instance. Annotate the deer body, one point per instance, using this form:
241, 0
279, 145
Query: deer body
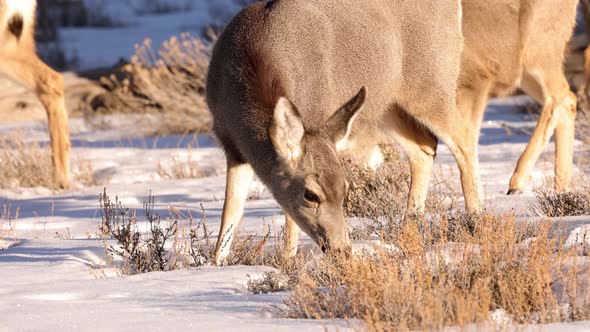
20, 63
279, 75
522, 43
507, 44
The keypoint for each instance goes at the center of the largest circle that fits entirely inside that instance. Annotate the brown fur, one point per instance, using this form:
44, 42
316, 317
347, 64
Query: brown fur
20, 63
522, 43
510, 44
316, 54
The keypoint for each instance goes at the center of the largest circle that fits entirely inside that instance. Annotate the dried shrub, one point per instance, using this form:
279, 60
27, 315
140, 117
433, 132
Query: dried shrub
84, 173
271, 282
167, 88
28, 164
24, 163
562, 204
8, 218
180, 168
182, 241
379, 197
423, 280
380, 192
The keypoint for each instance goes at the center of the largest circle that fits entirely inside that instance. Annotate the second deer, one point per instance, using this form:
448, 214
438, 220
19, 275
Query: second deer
20, 63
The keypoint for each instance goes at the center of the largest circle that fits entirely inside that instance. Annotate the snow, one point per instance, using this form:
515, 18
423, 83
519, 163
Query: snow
62, 283
51, 283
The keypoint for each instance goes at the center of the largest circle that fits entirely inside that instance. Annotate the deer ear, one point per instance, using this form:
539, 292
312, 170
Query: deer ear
286, 130
339, 125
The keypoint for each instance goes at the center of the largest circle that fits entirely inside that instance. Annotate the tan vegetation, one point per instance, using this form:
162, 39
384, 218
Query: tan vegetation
84, 173
28, 163
8, 217
167, 84
178, 241
377, 193
25, 163
430, 280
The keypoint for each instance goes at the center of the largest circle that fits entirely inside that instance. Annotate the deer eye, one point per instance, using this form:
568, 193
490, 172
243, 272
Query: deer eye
311, 197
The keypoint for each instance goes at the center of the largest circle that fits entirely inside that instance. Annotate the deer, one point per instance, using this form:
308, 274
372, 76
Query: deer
20, 63
584, 91
522, 44
510, 44
293, 82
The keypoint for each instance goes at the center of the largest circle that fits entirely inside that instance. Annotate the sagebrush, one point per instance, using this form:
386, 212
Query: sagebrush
28, 163
425, 279
180, 241
166, 87
575, 202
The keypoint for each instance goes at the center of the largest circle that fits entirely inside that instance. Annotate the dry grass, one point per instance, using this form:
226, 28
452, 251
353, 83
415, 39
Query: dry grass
8, 217
377, 193
84, 173
24, 163
379, 198
428, 280
180, 168
180, 241
27, 164
168, 85
441, 269
571, 203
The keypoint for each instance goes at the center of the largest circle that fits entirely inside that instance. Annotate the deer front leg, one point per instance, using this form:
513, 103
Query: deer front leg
291, 236
31, 72
50, 90
239, 178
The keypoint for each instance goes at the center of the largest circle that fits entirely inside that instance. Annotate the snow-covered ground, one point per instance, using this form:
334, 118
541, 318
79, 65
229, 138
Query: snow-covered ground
49, 283
63, 283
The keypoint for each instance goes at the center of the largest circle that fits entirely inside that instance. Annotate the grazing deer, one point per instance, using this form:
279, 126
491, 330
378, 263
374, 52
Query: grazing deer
278, 84
20, 63
522, 43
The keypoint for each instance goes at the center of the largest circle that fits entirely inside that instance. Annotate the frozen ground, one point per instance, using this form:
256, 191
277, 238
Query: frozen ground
52, 284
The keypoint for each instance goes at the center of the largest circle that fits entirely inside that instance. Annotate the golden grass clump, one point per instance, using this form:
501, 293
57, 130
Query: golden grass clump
168, 85
427, 281
24, 163
180, 168
27, 164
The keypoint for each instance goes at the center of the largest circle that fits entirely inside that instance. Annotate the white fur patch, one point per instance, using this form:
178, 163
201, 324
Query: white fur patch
26, 8
376, 158
288, 130
343, 143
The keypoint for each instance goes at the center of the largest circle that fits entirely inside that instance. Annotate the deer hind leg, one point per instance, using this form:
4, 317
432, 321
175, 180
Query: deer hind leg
420, 146
31, 72
238, 180
558, 114
461, 136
